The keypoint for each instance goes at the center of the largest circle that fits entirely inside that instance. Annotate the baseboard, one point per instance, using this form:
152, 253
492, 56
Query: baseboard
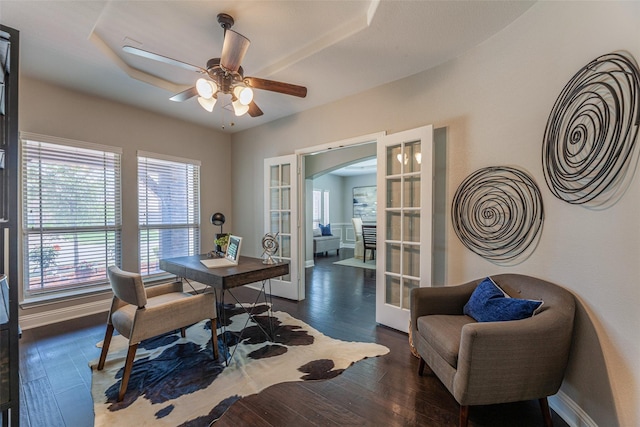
75, 311
570, 411
309, 263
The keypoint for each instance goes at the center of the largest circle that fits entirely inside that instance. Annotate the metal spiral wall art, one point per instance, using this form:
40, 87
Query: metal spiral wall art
589, 152
497, 213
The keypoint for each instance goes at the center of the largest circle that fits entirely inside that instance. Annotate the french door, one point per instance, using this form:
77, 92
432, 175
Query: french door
404, 222
281, 219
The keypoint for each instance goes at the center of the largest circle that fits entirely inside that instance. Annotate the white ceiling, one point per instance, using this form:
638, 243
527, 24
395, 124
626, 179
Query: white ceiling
334, 48
361, 168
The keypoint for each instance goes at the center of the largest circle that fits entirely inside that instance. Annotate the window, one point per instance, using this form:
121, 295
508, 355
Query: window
71, 216
168, 209
320, 207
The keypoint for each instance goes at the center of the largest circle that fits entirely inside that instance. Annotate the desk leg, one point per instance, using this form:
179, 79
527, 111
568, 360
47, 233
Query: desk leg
250, 309
268, 299
222, 316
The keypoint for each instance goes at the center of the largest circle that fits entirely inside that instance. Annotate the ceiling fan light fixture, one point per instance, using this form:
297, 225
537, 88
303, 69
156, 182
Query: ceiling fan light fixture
207, 103
206, 88
239, 108
244, 94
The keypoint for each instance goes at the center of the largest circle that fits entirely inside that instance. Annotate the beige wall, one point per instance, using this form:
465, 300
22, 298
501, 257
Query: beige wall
494, 101
53, 111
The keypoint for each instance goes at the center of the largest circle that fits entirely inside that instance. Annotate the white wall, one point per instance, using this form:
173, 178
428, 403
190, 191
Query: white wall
494, 101
54, 111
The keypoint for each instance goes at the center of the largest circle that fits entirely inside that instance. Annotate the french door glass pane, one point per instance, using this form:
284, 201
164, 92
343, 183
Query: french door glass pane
275, 199
392, 290
411, 226
286, 222
286, 175
412, 192
393, 258
275, 176
413, 156
394, 157
275, 222
393, 225
286, 198
394, 192
411, 260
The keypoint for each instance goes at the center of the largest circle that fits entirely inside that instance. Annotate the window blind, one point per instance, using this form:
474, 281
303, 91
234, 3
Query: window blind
71, 213
168, 209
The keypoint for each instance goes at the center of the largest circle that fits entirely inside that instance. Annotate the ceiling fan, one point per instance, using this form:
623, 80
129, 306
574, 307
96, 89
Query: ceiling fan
225, 75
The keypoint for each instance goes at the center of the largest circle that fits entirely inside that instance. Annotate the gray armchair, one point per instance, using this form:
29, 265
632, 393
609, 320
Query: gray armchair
483, 363
138, 313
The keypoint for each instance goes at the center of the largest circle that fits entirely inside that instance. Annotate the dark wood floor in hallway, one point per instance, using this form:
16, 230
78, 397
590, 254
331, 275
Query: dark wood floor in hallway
382, 391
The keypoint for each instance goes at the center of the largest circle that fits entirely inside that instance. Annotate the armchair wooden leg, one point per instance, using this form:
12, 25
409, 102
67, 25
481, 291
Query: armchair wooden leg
105, 346
214, 338
546, 413
464, 415
421, 366
131, 354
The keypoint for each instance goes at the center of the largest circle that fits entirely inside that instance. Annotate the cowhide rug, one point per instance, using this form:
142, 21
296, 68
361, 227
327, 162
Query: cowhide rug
176, 382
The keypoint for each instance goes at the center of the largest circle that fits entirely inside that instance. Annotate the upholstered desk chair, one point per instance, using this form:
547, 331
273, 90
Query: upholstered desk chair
138, 313
358, 250
490, 362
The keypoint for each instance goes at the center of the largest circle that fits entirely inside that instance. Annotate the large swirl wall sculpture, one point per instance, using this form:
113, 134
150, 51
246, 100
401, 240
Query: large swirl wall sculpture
497, 213
589, 150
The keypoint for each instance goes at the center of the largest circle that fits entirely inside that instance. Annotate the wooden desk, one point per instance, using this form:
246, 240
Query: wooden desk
248, 270
223, 279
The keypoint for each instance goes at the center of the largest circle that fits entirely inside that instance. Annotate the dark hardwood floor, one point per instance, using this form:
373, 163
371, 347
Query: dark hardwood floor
381, 391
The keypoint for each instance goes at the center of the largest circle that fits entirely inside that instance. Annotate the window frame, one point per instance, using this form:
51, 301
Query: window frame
194, 225
111, 228
323, 208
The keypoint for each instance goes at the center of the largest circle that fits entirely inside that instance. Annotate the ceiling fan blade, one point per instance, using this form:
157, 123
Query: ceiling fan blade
254, 110
233, 49
184, 95
161, 58
273, 86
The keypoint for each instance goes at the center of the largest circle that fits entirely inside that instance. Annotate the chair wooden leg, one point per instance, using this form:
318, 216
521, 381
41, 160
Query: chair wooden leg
214, 338
183, 332
131, 354
105, 346
464, 415
546, 413
421, 366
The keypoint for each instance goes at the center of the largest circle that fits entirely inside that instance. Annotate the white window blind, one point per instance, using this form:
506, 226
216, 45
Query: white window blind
71, 213
320, 207
168, 209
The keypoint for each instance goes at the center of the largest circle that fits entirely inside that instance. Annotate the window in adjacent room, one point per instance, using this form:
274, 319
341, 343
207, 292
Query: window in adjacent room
71, 216
320, 207
168, 209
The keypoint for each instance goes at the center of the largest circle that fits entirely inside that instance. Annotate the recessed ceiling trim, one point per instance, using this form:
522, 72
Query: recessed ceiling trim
328, 39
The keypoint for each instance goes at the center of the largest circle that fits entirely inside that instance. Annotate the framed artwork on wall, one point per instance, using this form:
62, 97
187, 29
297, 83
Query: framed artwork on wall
365, 203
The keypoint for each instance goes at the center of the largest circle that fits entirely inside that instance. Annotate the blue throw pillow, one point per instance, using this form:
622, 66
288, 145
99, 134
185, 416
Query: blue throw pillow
489, 303
326, 229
